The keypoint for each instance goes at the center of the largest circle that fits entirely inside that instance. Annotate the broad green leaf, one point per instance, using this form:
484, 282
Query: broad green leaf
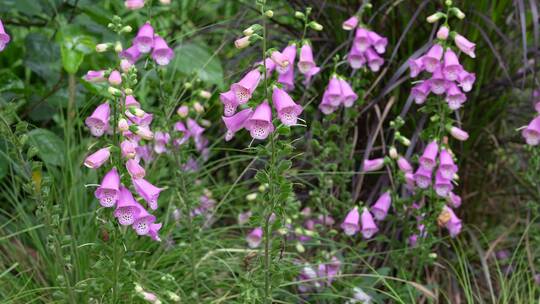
71, 59
42, 56
9, 81
50, 146
191, 58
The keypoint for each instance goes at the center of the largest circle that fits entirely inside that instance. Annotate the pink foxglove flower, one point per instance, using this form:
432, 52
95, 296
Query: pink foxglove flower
98, 158
458, 134
98, 122
95, 76
287, 79
125, 65
447, 167
161, 141
306, 63
416, 66
242, 43
115, 78
432, 59
350, 225
374, 61
356, 58
404, 165
454, 225
466, 80
378, 42
4, 37
443, 32
373, 164
286, 108
333, 91
454, 97
361, 39
144, 41
128, 149
281, 61
134, 4
465, 45
236, 122
245, 87
326, 105
194, 128
443, 186
290, 53
428, 160
254, 238
154, 230
451, 67
127, 208
532, 132
162, 53
454, 200
244, 217
260, 124
229, 103
422, 177
142, 222
369, 228
438, 84
421, 91
130, 101
107, 193
314, 71
135, 170
132, 54
350, 24
149, 192
330, 270
381, 206
348, 95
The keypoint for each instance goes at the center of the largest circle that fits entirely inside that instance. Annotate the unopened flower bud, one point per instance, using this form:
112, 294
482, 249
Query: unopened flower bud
205, 94
300, 248
442, 33
404, 141
115, 78
435, 17
128, 91
198, 107
316, 26
252, 29
138, 288
102, 47
457, 133
123, 125
269, 13
393, 153
165, 2
171, 295
125, 65
114, 91
187, 85
118, 47
251, 197
126, 29
136, 111
242, 42
448, 3
457, 12
182, 111
299, 15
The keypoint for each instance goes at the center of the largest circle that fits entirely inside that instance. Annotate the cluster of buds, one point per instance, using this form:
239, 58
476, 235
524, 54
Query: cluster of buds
367, 45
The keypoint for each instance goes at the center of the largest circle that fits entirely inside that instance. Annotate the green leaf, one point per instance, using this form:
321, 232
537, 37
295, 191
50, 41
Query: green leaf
191, 58
9, 81
71, 59
42, 56
50, 146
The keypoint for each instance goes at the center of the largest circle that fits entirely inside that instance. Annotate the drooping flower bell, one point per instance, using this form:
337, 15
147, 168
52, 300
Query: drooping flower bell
458, 133
98, 122
98, 158
329, 270
361, 39
131, 54
149, 192
356, 58
128, 149
421, 91
454, 200
373, 164
466, 80
422, 177
306, 63
127, 208
135, 170
95, 76
438, 84
447, 167
369, 228
229, 102
142, 222
236, 122
326, 105
260, 124
428, 160
416, 66
378, 42
246, 86
107, 193
347, 93
4, 37
350, 24
285, 106
454, 224
454, 97
381, 206
465, 45
254, 238
162, 53
144, 41
333, 91
451, 68
154, 230
115, 79
374, 61
431, 61
351, 223
443, 186
281, 61
161, 140
404, 165
532, 132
